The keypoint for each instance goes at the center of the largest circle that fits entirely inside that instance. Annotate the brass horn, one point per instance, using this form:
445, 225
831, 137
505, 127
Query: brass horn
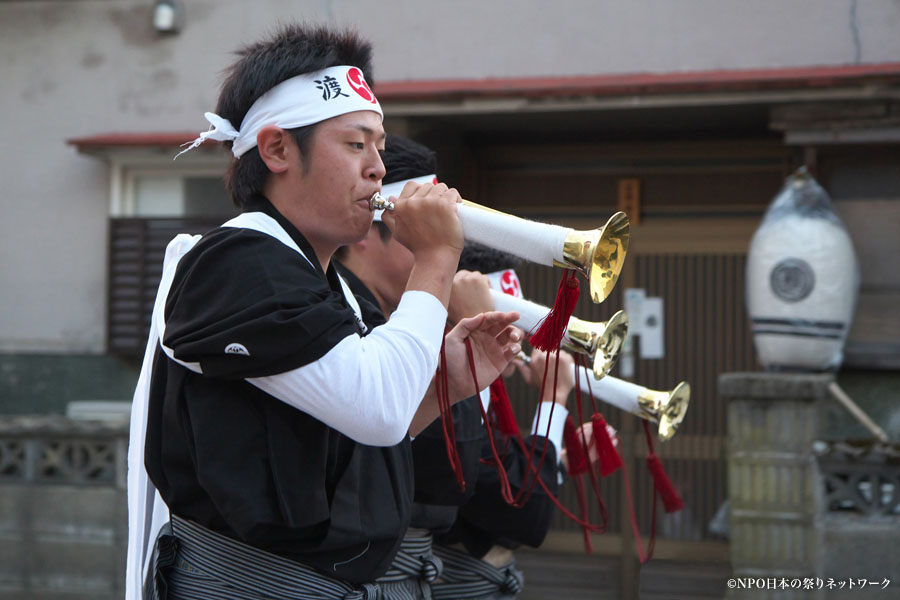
666, 408
597, 254
601, 341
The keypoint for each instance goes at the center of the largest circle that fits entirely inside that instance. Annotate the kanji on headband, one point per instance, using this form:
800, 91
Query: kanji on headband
296, 102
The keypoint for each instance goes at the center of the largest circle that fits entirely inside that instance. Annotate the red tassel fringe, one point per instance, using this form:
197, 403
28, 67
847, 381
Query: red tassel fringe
610, 461
672, 502
575, 455
502, 409
550, 332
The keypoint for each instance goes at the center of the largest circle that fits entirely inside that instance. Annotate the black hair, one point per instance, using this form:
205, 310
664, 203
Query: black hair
477, 257
293, 50
383, 232
405, 159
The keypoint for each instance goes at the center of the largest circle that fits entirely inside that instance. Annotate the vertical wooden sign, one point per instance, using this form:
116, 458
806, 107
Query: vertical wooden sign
630, 199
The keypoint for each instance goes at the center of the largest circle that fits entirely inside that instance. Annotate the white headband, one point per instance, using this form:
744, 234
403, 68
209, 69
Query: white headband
296, 102
394, 189
507, 282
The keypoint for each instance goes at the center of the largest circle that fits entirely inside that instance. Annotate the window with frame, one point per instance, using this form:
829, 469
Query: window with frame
153, 200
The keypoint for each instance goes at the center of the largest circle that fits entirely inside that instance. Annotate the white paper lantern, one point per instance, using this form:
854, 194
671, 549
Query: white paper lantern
802, 280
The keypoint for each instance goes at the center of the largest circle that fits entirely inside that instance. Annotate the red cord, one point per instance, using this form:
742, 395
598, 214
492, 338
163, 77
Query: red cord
445, 407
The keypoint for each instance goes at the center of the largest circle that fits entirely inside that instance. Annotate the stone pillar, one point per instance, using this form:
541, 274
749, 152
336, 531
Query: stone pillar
774, 488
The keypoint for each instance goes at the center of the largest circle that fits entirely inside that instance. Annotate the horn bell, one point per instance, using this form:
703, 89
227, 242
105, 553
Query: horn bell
600, 340
666, 408
598, 254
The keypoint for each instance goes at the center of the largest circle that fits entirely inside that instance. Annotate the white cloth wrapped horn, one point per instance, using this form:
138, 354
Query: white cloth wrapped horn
602, 341
598, 254
666, 408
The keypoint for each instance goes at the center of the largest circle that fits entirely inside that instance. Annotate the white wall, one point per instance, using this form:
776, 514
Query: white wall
74, 68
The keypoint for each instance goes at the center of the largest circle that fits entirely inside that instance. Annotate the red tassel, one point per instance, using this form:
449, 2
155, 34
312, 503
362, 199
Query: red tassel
672, 502
575, 455
550, 333
610, 461
500, 404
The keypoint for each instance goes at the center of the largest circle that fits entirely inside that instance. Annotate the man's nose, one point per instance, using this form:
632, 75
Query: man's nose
376, 170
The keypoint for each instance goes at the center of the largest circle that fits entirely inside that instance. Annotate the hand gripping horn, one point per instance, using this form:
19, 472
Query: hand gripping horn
597, 254
666, 408
602, 341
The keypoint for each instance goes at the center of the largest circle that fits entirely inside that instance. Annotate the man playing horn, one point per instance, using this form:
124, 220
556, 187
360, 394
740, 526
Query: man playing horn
481, 558
274, 409
377, 268
478, 551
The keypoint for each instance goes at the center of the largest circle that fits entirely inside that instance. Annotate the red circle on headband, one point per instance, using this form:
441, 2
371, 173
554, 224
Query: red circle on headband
358, 83
509, 283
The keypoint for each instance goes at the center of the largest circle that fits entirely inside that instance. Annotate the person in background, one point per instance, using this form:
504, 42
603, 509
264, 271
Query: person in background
377, 268
478, 551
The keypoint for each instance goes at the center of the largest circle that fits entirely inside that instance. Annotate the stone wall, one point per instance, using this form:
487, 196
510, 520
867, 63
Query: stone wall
63, 511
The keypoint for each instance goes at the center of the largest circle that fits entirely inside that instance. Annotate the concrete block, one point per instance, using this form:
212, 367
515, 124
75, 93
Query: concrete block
11, 502
773, 386
66, 565
88, 514
13, 564
862, 546
62, 541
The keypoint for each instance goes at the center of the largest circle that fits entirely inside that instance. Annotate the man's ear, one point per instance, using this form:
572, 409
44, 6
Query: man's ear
276, 148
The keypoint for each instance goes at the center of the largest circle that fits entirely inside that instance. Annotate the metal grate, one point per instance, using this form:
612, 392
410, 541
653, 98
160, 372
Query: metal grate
860, 477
